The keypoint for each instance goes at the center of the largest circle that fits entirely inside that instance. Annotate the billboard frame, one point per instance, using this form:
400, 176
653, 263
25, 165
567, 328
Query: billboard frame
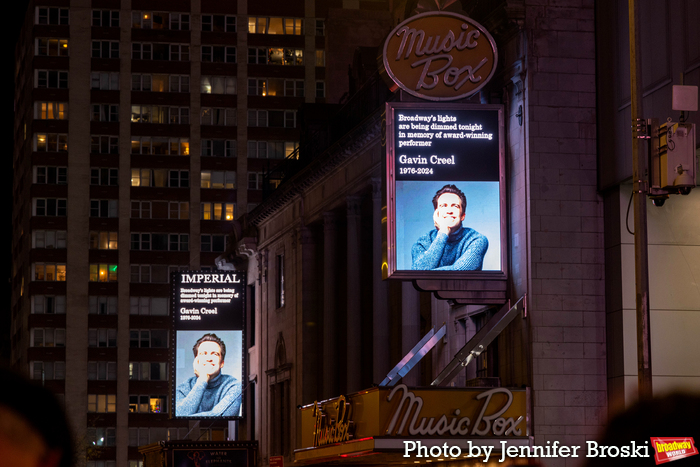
390, 268
174, 303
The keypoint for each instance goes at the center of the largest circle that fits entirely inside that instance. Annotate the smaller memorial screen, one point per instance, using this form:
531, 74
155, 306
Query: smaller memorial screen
208, 321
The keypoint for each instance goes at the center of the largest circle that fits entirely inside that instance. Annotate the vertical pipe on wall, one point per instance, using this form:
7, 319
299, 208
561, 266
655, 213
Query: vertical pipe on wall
641, 252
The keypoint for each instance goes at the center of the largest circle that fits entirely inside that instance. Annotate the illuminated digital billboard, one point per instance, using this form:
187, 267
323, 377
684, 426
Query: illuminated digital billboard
208, 309
445, 190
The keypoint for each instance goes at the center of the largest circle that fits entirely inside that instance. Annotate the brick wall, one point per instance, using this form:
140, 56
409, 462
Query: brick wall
566, 225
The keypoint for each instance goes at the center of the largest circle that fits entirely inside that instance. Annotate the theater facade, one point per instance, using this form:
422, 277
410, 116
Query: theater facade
359, 355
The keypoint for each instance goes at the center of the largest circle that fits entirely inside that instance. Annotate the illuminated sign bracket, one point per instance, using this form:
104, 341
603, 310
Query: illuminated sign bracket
466, 292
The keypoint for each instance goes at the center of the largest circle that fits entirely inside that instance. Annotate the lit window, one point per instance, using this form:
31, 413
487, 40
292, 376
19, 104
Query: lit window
275, 25
218, 85
160, 20
218, 179
285, 56
51, 47
160, 114
148, 404
102, 403
103, 240
218, 211
148, 371
51, 142
51, 110
103, 273
160, 145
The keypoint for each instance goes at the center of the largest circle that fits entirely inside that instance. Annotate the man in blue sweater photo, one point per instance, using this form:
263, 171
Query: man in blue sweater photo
449, 246
209, 393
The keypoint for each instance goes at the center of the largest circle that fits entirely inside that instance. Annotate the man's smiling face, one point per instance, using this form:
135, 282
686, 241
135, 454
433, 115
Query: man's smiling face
449, 208
209, 357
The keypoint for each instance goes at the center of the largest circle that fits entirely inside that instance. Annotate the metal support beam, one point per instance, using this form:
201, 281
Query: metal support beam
479, 342
413, 357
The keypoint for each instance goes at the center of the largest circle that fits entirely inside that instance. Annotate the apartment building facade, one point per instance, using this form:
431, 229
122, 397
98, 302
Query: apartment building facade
142, 130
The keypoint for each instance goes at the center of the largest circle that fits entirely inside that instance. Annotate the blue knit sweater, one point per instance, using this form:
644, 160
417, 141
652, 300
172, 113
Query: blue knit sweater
462, 250
220, 397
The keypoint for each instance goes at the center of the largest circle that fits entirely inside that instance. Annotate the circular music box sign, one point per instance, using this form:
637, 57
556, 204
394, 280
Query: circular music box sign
440, 56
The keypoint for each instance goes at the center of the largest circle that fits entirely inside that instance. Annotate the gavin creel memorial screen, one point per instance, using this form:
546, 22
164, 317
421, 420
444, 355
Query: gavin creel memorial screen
455, 149
207, 365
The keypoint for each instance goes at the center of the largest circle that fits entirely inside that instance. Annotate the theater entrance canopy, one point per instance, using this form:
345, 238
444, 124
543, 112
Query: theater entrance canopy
381, 425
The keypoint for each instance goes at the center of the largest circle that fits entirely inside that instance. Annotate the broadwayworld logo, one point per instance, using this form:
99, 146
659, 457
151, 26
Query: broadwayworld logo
671, 449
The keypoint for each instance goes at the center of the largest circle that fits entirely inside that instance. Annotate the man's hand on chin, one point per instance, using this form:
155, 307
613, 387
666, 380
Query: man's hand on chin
201, 372
442, 224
